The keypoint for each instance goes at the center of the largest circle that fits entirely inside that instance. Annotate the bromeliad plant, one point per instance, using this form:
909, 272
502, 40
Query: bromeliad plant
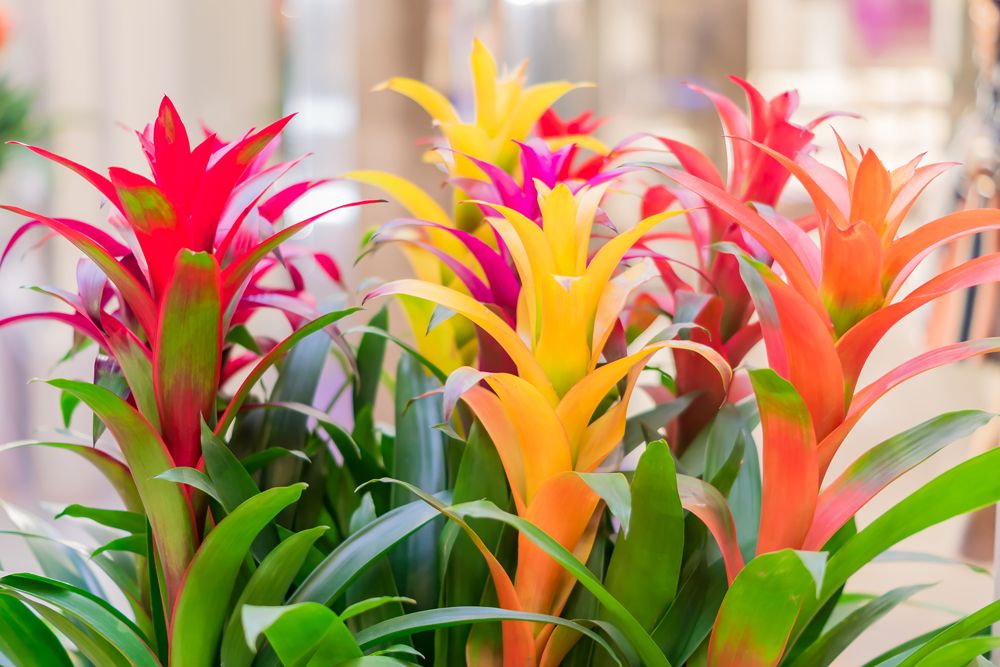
270, 518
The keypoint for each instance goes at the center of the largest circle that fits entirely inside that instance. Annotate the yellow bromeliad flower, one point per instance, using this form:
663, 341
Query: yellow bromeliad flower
506, 111
552, 419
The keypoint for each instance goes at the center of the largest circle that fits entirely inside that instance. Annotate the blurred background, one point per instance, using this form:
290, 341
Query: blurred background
921, 73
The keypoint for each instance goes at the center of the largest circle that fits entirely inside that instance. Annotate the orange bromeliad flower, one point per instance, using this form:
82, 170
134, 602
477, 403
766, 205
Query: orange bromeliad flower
823, 317
551, 420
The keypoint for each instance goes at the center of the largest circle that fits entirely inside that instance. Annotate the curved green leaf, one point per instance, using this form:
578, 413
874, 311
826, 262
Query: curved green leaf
331, 577
166, 505
965, 627
267, 586
964, 488
130, 522
274, 355
116, 472
431, 619
306, 634
960, 652
201, 608
26, 639
92, 612
192, 477
362, 606
833, 642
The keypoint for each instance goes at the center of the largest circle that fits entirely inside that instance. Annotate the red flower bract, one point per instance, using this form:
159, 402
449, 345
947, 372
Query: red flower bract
197, 240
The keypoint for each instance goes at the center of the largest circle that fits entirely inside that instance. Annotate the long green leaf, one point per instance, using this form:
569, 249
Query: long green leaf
146, 455
329, 580
960, 652
418, 459
26, 639
131, 522
116, 472
431, 619
480, 476
89, 610
646, 563
966, 487
274, 355
306, 634
266, 587
833, 642
969, 486
87, 643
371, 353
201, 609
961, 629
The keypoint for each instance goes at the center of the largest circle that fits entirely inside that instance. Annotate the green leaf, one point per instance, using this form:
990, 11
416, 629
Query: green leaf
274, 355
646, 562
192, 477
961, 629
759, 611
88, 644
230, 479
298, 379
409, 349
130, 522
116, 472
960, 652
26, 639
373, 603
833, 642
703, 585
307, 634
96, 614
371, 352
240, 335
67, 406
200, 612
480, 476
329, 580
146, 455
724, 448
627, 623
419, 459
267, 586
58, 560
431, 619
966, 487
135, 544
645, 426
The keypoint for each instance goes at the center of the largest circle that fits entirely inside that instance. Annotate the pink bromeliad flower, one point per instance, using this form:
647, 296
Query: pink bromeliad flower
717, 300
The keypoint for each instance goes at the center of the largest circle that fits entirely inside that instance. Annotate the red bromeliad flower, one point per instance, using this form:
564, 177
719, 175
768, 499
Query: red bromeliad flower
822, 319
196, 242
576, 133
718, 301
